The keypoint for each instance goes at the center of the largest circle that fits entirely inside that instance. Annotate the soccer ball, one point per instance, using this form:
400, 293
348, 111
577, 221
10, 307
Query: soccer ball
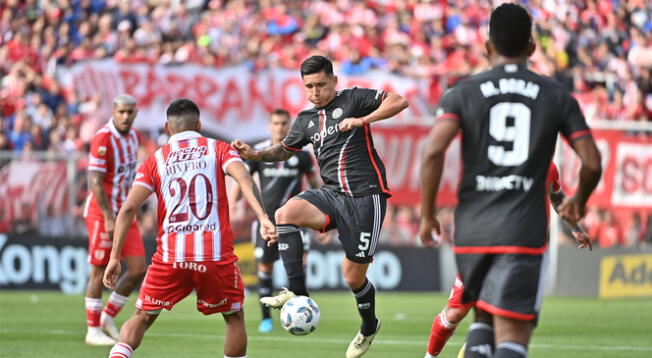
300, 315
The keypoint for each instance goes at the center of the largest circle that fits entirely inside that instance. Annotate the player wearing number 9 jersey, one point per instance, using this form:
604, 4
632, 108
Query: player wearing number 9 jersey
509, 118
195, 242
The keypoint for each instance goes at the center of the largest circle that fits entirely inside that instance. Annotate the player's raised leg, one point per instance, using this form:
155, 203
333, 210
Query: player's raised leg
294, 214
136, 267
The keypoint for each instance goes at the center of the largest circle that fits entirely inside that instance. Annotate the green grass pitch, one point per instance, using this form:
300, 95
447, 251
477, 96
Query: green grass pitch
48, 324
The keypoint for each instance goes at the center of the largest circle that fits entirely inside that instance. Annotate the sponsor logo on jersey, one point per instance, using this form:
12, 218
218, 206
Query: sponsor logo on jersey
317, 137
510, 182
191, 228
280, 172
311, 124
101, 150
337, 113
185, 154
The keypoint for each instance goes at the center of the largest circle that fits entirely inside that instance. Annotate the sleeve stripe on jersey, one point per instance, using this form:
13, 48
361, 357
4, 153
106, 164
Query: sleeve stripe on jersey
226, 164
447, 115
96, 169
290, 148
96, 160
579, 134
144, 185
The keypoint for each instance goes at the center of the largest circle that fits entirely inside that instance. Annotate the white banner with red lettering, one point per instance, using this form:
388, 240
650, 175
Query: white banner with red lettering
627, 170
234, 101
626, 182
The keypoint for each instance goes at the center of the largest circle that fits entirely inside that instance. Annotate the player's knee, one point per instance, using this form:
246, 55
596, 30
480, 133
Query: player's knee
284, 215
353, 280
455, 315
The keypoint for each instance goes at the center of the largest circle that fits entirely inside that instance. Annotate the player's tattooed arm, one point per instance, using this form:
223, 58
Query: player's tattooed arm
96, 179
275, 153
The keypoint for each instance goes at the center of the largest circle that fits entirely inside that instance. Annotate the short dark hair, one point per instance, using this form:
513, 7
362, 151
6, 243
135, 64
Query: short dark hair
181, 107
510, 29
280, 112
316, 64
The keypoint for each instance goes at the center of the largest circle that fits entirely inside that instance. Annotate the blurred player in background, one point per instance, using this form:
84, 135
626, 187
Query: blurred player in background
355, 193
195, 242
445, 323
510, 118
279, 182
111, 170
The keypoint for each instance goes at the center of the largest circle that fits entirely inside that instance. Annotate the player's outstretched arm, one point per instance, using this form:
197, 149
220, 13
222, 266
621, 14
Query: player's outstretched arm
392, 105
251, 193
572, 209
432, 166
126, 216
275, 153
95, 180
582, 238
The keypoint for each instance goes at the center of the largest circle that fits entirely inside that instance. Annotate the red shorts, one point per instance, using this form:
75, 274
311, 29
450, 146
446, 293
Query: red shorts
455, 298
99, 243
219, 286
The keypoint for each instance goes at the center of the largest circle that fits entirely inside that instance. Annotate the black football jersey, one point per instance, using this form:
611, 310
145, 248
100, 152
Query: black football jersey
280, 181
509, 119
348, 162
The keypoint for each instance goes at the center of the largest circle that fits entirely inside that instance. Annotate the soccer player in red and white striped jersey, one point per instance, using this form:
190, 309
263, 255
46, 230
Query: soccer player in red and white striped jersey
111, 170
195, 241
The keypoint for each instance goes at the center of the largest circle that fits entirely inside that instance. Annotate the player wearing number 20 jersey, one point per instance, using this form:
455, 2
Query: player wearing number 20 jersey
187, 175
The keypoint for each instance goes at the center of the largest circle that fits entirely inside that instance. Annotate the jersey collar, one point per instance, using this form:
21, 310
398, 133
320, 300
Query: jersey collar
183, 135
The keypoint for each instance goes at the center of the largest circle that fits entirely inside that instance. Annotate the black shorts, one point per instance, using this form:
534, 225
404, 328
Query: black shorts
358, 219
268, 254
507, 285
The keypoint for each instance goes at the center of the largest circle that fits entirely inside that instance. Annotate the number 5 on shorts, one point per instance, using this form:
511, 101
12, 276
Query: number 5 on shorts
364, 239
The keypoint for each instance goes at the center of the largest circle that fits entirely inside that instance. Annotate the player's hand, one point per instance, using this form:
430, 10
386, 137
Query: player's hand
583, 240
426, 234
111, 274
350, 123
268, 231
244, 150
572, 209
109, 226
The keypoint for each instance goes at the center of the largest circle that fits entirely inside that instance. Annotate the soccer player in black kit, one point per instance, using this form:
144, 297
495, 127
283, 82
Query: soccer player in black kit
509, 118
353, 198
279, 181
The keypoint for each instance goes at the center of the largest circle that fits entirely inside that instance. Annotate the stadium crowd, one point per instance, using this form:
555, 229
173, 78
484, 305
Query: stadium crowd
601, 50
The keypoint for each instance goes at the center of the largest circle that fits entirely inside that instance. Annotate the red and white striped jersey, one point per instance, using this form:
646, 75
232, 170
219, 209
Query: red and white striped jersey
187, 175
115, 155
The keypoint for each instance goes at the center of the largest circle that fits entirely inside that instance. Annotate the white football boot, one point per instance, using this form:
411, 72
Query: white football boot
360, 344
108, 326
95, 337
279, 300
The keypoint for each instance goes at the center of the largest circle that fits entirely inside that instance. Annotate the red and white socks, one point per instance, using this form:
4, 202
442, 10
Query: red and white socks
114, 306
440, 332
93, 312
121, 350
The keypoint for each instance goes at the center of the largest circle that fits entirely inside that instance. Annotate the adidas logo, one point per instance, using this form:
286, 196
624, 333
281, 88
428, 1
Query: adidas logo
311, 124
360, 254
